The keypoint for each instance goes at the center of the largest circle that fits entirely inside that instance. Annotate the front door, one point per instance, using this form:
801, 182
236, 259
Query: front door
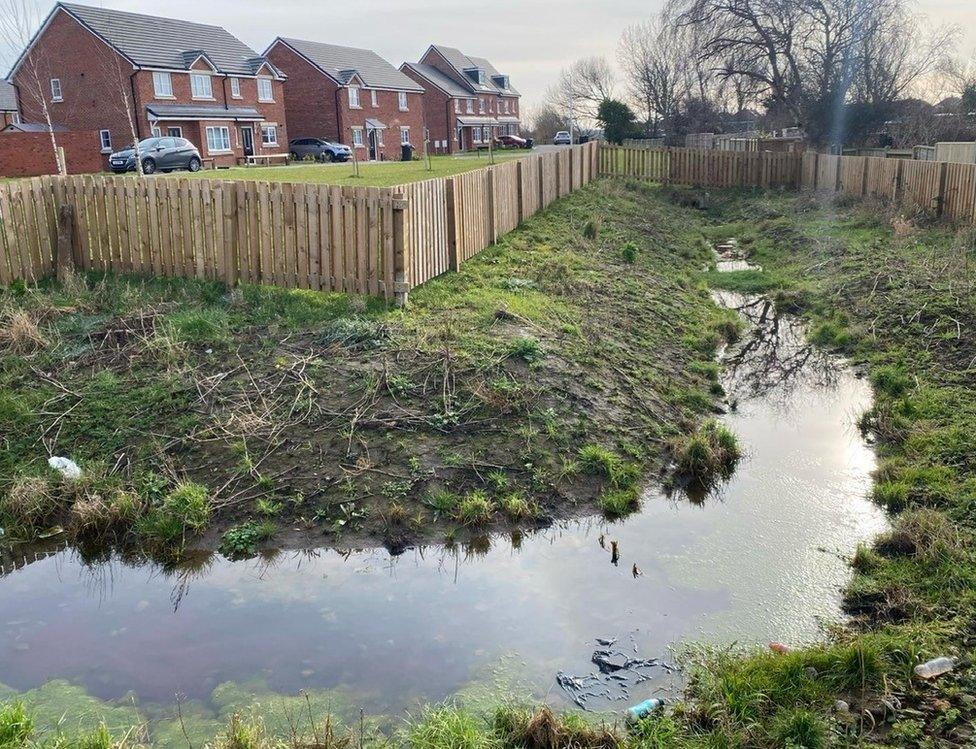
371, 137
247, 140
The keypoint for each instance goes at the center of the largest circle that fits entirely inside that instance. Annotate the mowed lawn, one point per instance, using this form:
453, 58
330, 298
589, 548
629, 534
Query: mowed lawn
371, 174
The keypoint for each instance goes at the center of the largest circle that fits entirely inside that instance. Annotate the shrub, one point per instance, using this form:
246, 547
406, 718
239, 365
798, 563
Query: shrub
629, 252
527, 349
474, 509
186, 508
242, 540
591, 229
708, 454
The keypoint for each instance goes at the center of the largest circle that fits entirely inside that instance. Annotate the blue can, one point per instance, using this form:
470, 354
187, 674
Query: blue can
645, 708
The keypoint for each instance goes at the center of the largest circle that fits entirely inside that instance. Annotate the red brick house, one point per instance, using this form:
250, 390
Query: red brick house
349, 95
112, 72
9, 109
466, 100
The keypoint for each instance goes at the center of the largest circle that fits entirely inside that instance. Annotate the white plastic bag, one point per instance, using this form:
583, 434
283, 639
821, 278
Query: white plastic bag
66, 467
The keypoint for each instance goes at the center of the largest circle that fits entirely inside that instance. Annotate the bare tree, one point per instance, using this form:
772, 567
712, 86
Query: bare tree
581, 87
124, 102
656, 70
18, 21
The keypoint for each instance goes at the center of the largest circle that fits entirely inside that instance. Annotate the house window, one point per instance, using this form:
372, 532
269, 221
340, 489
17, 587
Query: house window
457, 134
402, 97
155, 131
265, 92
163, 85
56, 89
357, 137
405, 136
16, 118
457, 106
354, 100
105, 137
486, 137
218, 139
174, 132
269, 135
481, 106
235, 87
201, 86
476, 135
470, 106
372, 96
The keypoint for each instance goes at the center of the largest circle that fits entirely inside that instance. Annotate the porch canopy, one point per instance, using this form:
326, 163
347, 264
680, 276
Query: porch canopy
374, 124
191, 112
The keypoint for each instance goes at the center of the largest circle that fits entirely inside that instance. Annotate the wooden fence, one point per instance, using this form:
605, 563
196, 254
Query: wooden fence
940, 188
367, 240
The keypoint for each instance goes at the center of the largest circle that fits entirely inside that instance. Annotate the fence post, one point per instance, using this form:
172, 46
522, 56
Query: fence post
519, 191
401, 257
490, 200
899, 176
940, 199
453, 259
66, 229
864, 177
229, 200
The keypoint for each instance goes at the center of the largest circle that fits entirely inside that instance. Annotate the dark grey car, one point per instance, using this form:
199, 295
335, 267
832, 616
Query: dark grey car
163, 154
318, 149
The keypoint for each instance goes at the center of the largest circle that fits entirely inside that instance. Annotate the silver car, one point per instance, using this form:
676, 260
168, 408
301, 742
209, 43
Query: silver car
562, 138
318, 149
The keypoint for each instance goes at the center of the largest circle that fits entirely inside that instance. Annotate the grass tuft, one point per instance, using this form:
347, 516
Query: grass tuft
708, 455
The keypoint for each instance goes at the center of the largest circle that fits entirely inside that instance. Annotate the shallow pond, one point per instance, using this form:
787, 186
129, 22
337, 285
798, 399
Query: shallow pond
761, 559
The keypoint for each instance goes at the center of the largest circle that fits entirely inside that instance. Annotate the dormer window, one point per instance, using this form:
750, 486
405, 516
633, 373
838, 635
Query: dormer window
501, 81
477, 75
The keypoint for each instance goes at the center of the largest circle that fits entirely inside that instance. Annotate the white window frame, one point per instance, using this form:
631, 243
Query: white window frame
213, 146
486, 134
174, 132
155, 132
476, 134
235, 88
372, 98
105, 140
458, 133
470, 106
267, 95
354, 98
481, 105
358, 141
457, 106
404, 135
271, 130
56, 93
379, 138
16, 118
162, 85
403, 101
207, 94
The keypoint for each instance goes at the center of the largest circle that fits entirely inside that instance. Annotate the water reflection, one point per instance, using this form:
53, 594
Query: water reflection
765, 562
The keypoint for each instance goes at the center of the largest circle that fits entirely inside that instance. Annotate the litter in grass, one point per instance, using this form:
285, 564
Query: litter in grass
66, 467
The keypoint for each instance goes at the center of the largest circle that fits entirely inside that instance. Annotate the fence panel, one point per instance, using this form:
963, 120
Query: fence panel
473, 214
505, 197
425, 229
920, 184
530, 178
852, 175
550, 178
882, 177
960, 191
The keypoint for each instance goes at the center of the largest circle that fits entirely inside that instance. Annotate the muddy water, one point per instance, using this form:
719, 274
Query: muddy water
761, 559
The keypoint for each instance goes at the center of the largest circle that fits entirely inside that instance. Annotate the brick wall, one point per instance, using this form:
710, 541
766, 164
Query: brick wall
309, 96
438, 110
387, 111
31, 154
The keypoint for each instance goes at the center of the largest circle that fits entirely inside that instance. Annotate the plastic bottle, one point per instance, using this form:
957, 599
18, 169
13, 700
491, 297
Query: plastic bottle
645, 708
935, 667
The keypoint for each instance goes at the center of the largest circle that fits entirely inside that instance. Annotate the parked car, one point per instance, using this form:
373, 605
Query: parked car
318, 149
163, 154
562, 138
512, 141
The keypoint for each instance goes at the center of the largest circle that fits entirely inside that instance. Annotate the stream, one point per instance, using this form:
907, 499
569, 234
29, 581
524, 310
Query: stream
762, 558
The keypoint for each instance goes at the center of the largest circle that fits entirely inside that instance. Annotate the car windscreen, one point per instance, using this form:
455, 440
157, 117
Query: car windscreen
148, 143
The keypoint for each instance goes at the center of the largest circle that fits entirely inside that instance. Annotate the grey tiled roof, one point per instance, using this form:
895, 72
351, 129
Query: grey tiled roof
436, 77
153, 42
343, 62
33, 127
8, 97
193, 111
462, 62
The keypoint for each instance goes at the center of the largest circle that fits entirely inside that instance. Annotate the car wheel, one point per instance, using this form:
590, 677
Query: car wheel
194, 165
328, 156
148, 166
293, 156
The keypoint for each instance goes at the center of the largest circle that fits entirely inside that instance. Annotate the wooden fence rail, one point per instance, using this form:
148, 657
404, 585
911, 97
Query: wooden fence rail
939, 188
366, 240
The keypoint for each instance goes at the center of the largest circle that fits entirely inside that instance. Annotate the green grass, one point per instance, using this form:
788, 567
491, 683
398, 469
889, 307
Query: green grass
372, 174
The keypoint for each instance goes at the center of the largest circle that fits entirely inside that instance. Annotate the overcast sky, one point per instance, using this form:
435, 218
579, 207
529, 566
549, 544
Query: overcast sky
530, 40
